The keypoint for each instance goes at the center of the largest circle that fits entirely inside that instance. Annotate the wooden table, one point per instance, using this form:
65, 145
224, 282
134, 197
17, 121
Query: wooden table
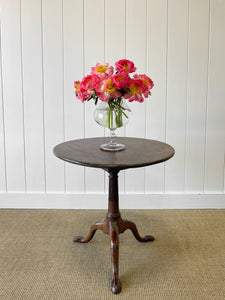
138, 153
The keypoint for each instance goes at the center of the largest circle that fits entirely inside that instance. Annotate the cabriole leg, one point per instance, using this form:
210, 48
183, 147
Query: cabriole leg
114, 240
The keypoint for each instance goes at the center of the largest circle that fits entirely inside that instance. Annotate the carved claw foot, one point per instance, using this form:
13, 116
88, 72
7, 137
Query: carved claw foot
147, 238
80, 239
116, 286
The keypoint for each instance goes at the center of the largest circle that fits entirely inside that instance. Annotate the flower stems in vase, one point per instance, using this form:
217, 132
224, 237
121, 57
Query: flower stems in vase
115, 113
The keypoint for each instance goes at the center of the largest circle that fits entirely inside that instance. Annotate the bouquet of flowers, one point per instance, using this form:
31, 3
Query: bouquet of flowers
112, 85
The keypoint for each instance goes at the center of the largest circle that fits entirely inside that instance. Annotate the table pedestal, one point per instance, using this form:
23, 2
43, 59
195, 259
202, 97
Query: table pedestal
113, 225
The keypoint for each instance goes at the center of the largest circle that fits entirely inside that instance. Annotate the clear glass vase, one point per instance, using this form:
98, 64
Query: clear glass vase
112, 115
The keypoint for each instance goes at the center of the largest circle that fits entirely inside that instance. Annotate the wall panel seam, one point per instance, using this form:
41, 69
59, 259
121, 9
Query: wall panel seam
104, 57
43, 101
125, 50
207, 97
3, 116
22, 95
187, 94
85, 185
166, 100
146, 69
63, 90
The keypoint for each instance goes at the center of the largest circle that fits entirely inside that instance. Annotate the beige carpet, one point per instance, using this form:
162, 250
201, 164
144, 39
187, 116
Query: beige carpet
38, 259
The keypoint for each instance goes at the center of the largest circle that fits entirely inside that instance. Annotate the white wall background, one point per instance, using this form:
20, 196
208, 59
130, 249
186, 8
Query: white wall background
46, 45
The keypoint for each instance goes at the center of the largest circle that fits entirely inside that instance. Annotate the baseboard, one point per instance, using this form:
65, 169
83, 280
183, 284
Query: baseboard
99, 201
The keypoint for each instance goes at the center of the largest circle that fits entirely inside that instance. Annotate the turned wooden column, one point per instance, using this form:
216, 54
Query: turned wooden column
113, 196
113, 215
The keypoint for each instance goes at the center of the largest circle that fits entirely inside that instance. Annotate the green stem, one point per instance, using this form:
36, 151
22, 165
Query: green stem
108, 119
111, 118
115, 108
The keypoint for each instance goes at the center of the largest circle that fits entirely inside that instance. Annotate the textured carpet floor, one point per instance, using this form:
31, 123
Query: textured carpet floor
38, 259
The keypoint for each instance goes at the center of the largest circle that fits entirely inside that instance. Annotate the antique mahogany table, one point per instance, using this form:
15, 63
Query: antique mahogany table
138, 153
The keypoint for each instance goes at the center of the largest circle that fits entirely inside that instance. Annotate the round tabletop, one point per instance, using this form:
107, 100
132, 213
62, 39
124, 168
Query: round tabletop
138, 153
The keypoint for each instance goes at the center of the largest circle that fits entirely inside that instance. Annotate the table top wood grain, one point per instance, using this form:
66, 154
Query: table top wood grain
138, 153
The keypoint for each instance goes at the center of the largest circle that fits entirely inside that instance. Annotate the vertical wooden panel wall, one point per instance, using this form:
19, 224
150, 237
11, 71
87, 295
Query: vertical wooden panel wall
47, 44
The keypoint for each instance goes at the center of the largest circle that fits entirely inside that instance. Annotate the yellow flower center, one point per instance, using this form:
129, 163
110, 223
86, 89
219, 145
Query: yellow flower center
110, 87
125, 66
77, 86
119, 78
145, 82
101, 69
135, 89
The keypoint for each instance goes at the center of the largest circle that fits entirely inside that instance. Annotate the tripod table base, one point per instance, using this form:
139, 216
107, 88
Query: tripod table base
113, 227
138, 153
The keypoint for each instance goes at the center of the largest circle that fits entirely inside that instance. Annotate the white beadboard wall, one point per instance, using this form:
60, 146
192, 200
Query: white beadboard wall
47, 44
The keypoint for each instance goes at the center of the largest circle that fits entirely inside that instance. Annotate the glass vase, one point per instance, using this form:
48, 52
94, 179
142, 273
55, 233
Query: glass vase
112, 115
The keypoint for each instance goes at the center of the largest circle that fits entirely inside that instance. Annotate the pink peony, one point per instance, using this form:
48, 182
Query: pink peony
84, 94
102, 84
121, 80
89, 82
78, 92
102, 70
106, 89
136, 88
147, 82
125, 65
85, 88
